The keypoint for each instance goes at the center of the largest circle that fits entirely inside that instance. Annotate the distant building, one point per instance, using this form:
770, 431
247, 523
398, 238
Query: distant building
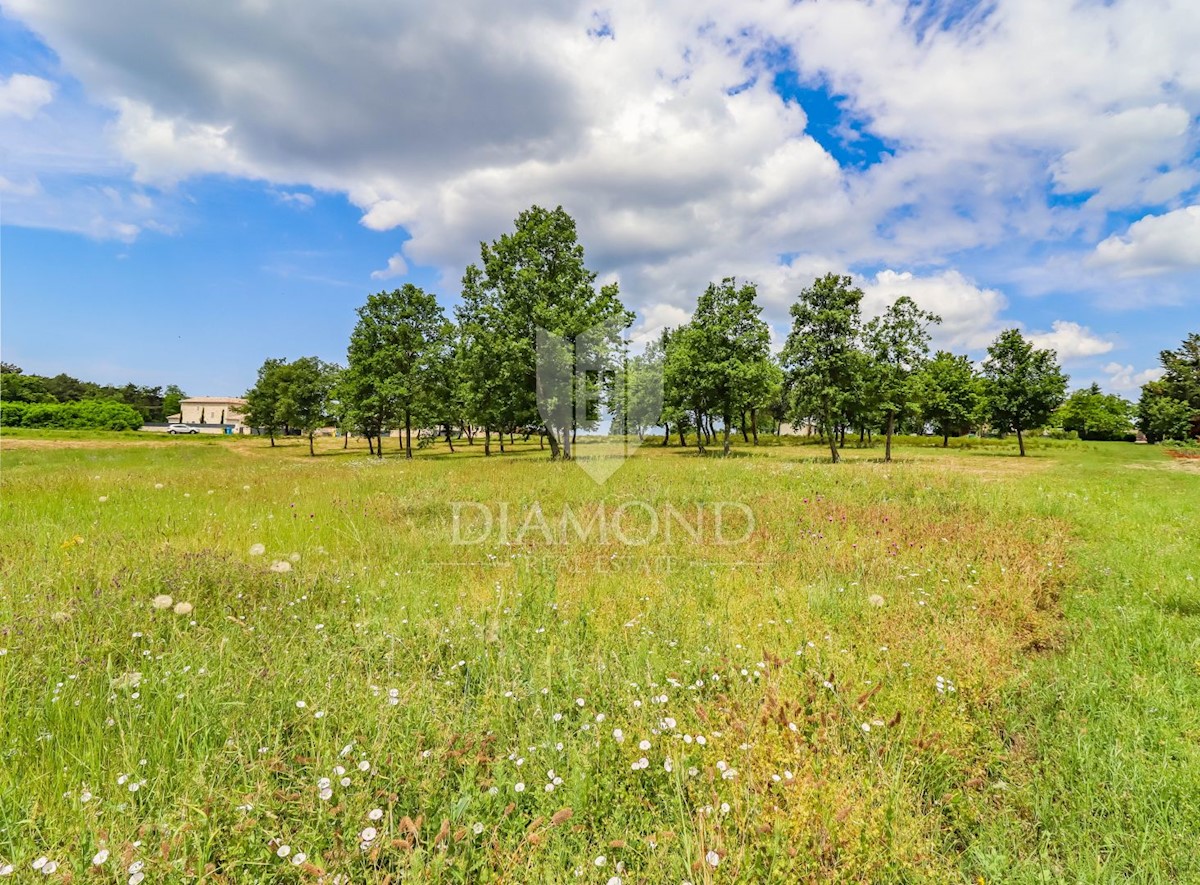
216, 411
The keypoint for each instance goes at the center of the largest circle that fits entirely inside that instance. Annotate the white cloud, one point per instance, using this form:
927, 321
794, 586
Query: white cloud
396, 267
664, 136
23, 95
1071, 341
1155, 244
1125, 378
297, 198
970, 314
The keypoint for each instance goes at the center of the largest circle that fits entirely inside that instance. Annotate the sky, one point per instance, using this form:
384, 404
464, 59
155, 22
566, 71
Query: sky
188, 188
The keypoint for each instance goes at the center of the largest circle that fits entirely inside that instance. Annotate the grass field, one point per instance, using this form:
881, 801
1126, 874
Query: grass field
960, 666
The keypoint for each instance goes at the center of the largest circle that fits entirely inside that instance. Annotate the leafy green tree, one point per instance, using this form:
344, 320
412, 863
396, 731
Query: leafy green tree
18, 388
1169, 408
263, 400
898, 344
173, 396
1160, 416
535, 279
1024, 384
1093, 414
819, 356
305, 386
397, 357
729, 351
949, 394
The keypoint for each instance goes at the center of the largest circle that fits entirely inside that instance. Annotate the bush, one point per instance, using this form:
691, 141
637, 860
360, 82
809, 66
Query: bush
83, 415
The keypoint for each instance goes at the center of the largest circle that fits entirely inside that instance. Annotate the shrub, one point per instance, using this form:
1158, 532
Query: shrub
82, 415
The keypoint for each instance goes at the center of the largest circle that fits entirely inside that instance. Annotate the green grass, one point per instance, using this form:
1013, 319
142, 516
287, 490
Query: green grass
1055, 597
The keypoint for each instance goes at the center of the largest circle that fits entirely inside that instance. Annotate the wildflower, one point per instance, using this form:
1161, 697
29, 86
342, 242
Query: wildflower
300, 705
375, 814
618, 735
299, 857
364, 765
866, 726
183, 608
477, 829
281, 566
519, 787
325, 793
600, 861
137, 878
644, 745
6, 870
615, 880
85, 797
60, 617
40, 862
876, 600
368, 834
101, 857
668, 765
713, 859
51, 868
103, 498
258, 549
158, 485
295, 557
162, 601
283, 850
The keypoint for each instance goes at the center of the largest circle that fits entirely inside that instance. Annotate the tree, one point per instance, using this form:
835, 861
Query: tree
263, 410
949, 394
171, 399
1093, 414
397, 357
819, 355
1024, 384
304, 390
529, 281
898, 343
729, 357
1169, 408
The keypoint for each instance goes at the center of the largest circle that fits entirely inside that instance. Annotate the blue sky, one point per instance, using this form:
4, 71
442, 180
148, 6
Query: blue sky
186, 191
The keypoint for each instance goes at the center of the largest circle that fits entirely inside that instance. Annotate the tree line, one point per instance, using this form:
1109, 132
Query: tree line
153, 404
531, 315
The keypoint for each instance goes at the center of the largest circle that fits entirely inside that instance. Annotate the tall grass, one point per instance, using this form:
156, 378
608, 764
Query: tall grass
861, 689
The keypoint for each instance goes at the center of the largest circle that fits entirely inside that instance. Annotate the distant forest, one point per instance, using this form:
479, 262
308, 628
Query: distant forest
154, 404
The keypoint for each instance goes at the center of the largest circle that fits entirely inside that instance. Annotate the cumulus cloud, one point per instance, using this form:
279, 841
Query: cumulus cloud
396, 267
1156, 244
1071, 341
970, 314
659, 127
23, 95
1123, 377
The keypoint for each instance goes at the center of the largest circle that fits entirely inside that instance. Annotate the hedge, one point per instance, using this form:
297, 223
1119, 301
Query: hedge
83, 415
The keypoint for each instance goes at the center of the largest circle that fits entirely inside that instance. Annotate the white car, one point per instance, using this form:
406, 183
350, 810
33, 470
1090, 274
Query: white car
181, 428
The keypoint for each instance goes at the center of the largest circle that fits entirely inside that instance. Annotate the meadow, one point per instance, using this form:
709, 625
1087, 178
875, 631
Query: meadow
228, 663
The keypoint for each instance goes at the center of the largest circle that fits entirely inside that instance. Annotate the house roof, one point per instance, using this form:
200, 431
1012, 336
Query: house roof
227, 400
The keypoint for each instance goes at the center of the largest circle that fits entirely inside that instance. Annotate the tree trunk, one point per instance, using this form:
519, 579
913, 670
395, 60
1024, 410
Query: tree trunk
311, 453
833, 441
487, 440
449, 441
754, 425
745, 436
891, 428
1021, 442
272, 432
725, 445
701, 433
345, 440
682, 437
408, 434
945, 438
666, 434
542, 440
500, 437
